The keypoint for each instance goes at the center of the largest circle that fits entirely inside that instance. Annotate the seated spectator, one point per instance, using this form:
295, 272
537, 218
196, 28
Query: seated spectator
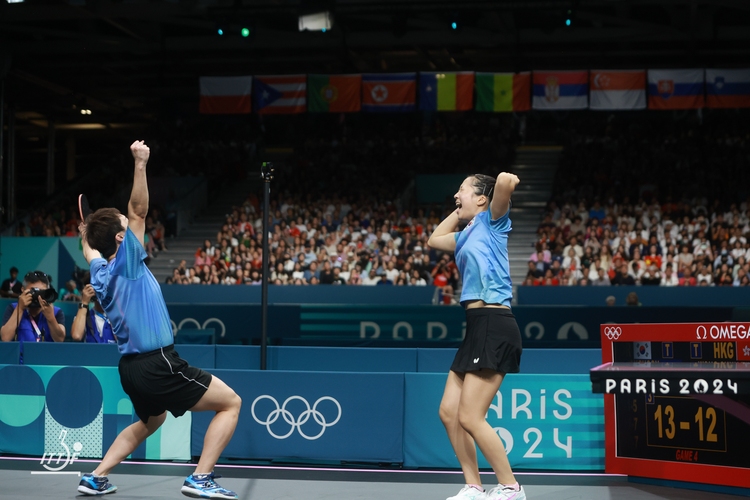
602, 279
71, 293
669, 277
687, 278
704, 274
632, 299
11, 287
652, 275
623, 276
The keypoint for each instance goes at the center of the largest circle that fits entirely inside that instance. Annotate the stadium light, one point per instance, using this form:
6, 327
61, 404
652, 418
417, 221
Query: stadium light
322, 21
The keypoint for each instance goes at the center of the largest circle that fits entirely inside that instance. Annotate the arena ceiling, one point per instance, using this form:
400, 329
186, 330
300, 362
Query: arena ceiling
132, 61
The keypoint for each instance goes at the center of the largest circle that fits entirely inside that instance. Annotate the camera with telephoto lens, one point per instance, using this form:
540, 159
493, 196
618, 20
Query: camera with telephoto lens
49, 295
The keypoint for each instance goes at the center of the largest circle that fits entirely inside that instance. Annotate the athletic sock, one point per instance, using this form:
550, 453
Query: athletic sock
476, 486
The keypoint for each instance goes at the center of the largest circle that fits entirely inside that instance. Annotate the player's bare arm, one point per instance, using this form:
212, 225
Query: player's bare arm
504, 186
443, 237
138, 204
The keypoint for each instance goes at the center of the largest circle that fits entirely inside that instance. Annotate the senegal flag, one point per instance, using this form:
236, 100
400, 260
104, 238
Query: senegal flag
334, 93
497, 92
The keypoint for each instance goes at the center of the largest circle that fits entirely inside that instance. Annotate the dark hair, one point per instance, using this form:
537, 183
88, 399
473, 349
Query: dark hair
101, 229
483, 185
37, 277
14, 269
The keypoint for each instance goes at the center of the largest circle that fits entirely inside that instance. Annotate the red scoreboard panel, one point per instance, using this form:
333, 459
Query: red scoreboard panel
677, 401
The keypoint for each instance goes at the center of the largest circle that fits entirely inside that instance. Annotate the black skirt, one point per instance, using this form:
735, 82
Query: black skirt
492, 341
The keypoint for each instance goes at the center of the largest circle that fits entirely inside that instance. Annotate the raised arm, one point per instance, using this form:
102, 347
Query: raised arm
138, 204
504, 186
443, 237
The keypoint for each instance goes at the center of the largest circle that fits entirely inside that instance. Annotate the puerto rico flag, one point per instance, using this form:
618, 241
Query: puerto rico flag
225, 95
618, 89
390, 92
675, 89
728, 88
560, 90
280, 94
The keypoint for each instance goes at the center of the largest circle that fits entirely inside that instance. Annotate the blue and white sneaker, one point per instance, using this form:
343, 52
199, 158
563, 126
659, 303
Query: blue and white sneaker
95, 485
204, 486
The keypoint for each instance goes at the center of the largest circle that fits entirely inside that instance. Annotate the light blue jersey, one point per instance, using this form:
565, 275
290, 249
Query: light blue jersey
482, 259
132, 299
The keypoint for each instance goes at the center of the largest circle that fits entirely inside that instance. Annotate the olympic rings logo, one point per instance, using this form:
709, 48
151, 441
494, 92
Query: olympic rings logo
612, 332
296, 423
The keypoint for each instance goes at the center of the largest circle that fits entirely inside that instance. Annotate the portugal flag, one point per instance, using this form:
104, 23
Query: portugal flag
334, 93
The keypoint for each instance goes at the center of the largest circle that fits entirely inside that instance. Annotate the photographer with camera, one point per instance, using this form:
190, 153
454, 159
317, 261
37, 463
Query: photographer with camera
91, 325
33, 318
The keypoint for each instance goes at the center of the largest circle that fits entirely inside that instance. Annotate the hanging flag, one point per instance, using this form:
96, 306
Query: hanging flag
225, 95
618, 89
334, 93
503, 92
728, 88
446, 91
561, 90
675, 89
280, 94
390, 92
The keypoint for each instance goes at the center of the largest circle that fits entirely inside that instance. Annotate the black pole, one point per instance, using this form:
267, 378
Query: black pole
266, 171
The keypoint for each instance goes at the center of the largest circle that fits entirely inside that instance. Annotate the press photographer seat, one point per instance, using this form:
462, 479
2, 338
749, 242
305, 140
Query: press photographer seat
195, 336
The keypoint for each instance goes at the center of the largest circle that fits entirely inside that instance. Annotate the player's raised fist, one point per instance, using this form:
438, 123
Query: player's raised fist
140, 151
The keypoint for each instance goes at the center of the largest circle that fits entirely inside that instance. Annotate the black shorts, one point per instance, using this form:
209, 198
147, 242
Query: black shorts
160, 381
492, 341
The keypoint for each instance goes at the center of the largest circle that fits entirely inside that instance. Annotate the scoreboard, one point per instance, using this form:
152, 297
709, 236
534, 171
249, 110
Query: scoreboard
677, 401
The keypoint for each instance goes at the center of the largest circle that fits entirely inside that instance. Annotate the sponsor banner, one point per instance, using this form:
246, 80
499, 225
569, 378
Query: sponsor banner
719, 337
546, 422
234, 323
538, 324
71, 412
313, 416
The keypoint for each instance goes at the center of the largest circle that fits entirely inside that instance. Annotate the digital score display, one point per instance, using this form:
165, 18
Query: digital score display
680, 429
677, 401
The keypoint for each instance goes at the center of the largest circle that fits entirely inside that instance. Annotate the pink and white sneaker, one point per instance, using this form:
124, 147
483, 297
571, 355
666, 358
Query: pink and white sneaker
502, 492
469, 493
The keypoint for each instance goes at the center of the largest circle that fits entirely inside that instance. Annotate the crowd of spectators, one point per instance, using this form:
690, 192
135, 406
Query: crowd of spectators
333, 241
341, 216
648, 200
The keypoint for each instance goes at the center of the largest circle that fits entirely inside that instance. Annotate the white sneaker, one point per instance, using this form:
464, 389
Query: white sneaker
502, 492
469, 493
